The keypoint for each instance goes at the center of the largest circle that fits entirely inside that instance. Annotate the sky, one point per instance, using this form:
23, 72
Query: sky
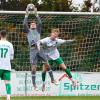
78, 1
81, 1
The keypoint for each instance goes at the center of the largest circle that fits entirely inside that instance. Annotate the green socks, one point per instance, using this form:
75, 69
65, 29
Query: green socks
68, 72
8, 88
43, 76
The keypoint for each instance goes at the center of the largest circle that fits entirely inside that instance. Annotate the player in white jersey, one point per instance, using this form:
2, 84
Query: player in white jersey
50, 46
6, 55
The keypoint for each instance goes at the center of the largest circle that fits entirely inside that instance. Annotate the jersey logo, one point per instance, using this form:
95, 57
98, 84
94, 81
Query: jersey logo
33, 42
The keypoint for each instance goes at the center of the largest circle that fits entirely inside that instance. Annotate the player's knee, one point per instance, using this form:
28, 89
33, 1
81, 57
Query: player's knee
33, 68
47, 67
6, 81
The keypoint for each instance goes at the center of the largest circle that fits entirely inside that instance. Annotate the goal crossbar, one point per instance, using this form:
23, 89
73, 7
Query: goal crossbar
53, 13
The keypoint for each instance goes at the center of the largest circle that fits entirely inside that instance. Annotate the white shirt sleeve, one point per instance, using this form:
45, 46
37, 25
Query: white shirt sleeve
43, 41
11, 52
60, 41
70, 40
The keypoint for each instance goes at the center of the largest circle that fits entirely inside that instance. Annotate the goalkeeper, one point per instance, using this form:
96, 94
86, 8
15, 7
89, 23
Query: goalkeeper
36, 53
50, 46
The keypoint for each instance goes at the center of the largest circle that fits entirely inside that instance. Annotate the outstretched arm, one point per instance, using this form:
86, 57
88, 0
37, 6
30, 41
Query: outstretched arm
70, 40
61, 41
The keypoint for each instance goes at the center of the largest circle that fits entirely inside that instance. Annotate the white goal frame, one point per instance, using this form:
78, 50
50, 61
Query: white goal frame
53, 13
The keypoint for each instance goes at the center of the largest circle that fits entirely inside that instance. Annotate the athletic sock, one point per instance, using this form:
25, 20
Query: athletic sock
43, 76
33, 79
51, 75
68, 72
8, 88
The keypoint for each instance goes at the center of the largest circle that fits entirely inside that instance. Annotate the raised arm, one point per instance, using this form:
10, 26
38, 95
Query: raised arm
25, 23
39, 23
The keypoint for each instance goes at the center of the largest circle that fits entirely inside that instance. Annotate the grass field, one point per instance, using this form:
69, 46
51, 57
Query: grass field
55, 98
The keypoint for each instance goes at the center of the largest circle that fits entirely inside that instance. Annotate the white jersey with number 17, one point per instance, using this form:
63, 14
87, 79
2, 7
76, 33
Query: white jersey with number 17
6, 54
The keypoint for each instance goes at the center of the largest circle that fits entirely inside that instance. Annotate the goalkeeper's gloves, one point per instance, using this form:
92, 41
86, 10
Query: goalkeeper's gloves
27, 9
35, 12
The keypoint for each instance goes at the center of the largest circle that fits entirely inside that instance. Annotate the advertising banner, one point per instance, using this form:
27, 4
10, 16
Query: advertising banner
89, 84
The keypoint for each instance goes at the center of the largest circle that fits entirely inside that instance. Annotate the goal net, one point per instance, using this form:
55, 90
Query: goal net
82, 55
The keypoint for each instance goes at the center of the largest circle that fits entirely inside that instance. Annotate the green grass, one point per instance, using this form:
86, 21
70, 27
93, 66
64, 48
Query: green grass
55, 98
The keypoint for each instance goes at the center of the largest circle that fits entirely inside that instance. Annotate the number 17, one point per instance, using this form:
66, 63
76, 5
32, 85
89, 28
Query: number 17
3, 52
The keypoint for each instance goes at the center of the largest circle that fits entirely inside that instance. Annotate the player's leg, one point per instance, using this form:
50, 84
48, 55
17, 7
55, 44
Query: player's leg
60, 62
46, 65
43, 74
33, 71
8, 89
33, 61
43, 77
7, 77
47, 68
68, 72
52, 80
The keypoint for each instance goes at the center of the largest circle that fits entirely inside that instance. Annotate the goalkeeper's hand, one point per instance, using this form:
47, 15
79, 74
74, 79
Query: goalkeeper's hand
29, 6
35, 12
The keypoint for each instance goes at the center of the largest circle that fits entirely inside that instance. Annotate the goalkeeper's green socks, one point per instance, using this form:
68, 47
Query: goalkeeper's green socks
8, 88
68, 72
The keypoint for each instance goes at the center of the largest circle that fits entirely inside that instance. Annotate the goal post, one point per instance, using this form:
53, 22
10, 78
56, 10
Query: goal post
82, 55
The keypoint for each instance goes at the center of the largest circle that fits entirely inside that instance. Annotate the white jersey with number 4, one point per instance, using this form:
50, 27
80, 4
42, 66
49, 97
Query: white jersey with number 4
6, 54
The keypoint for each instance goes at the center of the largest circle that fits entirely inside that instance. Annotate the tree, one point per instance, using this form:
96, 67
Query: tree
47, 5
90, 5
17, 5
86, 6
56, 5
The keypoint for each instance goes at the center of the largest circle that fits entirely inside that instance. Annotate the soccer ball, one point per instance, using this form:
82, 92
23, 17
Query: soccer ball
30, 7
